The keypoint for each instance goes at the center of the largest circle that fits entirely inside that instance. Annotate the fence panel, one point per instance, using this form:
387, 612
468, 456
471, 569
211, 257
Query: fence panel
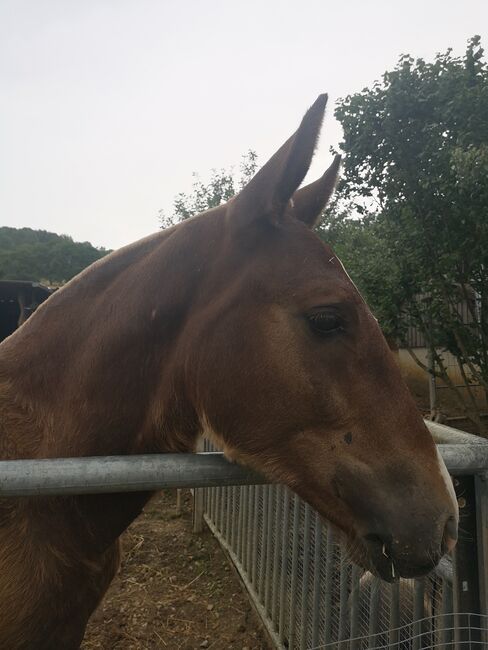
310, 596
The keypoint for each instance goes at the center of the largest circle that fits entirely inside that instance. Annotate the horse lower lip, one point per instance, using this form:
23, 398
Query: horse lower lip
383, 567
385, 572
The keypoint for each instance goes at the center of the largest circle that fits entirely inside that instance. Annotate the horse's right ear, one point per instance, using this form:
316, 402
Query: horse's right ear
268, 192
310, 201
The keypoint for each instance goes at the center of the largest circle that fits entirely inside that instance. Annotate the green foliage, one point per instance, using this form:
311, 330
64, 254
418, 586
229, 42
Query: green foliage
363, 249
416, 179
37, 255
221, 187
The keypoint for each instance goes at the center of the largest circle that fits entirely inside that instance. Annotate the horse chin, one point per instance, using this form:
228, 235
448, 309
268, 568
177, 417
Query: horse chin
381, 566
384, 569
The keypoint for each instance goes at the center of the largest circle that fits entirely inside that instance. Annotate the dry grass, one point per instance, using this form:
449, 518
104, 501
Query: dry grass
175, 590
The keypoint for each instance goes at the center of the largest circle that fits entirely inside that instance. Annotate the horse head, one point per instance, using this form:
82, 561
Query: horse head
289, 372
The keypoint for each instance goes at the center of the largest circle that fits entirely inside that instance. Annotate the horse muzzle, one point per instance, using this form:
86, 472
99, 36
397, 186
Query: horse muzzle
393, 557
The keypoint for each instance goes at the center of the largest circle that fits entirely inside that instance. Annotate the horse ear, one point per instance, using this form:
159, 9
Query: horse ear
268, 192
309, 201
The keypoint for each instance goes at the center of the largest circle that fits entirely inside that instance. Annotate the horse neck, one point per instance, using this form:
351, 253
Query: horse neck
96, 366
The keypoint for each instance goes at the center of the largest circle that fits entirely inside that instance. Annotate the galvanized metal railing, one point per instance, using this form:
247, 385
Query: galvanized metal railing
97, 474
310, 596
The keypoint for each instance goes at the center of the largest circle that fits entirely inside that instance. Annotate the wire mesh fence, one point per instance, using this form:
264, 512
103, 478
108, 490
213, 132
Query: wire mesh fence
311, 596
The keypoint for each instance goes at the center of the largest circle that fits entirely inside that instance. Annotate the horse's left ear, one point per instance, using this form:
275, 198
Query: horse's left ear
309, 201
268, 193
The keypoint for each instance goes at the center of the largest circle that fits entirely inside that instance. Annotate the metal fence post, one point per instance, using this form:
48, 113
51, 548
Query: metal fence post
199, 498
481, 489
466, 568
178, 502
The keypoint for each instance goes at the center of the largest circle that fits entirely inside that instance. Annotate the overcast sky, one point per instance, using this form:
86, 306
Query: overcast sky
108, 106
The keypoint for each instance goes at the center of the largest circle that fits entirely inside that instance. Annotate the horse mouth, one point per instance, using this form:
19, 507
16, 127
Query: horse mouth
379, 564
384, 565
373, 555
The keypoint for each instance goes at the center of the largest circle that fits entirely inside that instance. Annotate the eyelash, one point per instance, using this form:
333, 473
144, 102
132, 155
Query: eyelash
325, 323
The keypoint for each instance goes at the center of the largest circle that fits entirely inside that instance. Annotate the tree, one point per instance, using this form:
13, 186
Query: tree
416, 179
222, 186
38, 255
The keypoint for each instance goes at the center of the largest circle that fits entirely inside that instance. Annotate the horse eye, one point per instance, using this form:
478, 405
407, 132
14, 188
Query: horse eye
325, 323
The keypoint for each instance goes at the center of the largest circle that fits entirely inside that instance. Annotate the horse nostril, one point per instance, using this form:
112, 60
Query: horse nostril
449, 538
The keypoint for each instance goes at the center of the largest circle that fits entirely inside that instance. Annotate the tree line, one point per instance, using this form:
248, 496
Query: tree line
41, 256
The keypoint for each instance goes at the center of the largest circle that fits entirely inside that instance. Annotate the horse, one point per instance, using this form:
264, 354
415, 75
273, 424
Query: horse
239, 323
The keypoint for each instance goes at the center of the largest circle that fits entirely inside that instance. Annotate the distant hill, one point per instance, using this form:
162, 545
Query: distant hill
38, 255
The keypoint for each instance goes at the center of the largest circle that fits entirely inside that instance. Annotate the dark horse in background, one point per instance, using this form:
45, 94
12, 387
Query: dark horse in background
240, 324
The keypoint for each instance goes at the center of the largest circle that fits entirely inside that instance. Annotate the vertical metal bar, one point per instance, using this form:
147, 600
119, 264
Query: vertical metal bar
237, 516
228, 513
447, 630
210, 510
263, 545
294, 570
178, 502
230, 505
394, 632
343, 600
374, 613
418, 613
317, 558
198, 498
222, 516
276, 551
305, 578
236, 543
220, 511
284, 564
233, 517
254, 560
215, 505
213, 515
240, 525
208, 501
329, 576
269, 547
355, 587
250, 519
245, 510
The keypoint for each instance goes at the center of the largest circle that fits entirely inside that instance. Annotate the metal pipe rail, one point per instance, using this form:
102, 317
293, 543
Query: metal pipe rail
97, 474
137, 473
443, 434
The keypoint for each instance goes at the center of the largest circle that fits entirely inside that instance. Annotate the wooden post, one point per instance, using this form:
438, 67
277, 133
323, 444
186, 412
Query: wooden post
178, 502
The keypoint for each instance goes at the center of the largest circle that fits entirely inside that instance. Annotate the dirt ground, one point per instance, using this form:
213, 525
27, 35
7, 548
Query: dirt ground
175, 590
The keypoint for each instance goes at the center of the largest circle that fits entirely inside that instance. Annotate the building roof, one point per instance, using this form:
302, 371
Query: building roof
10, 289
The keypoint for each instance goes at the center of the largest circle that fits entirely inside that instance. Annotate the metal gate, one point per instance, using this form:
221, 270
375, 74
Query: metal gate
310, 596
